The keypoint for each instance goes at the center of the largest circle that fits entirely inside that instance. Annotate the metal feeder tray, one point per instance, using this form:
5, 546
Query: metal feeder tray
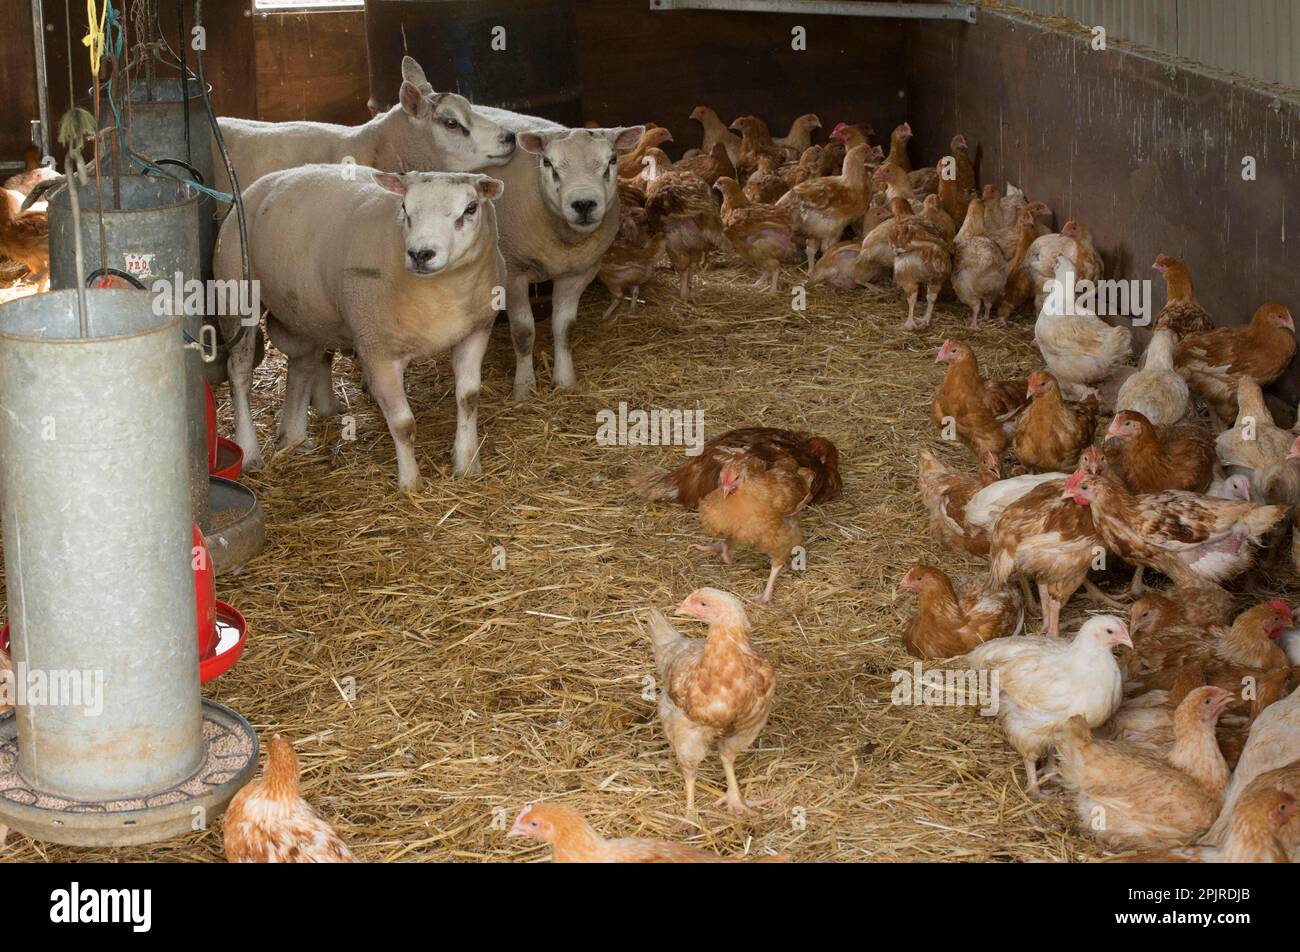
167, 813
238, 530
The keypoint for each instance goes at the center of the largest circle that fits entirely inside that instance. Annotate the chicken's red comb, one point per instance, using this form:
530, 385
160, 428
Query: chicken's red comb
906, 127
838, 127
1073, 482
1278, 605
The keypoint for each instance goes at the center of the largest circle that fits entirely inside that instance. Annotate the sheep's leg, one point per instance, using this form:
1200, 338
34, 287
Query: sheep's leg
564, 312
239, 368
323, 399
467, 365
389, 391
297, 395
523, 332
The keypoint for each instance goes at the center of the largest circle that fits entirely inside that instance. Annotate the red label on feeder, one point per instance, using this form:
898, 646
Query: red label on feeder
138, 264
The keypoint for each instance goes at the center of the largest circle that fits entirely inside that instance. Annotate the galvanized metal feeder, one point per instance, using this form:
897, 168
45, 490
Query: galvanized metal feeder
97, 540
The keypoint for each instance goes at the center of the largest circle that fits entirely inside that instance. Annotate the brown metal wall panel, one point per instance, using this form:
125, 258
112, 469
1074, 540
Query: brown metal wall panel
1147, 154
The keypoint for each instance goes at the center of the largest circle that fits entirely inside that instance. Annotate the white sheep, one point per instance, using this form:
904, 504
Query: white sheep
395, 267
425, 132
558, 217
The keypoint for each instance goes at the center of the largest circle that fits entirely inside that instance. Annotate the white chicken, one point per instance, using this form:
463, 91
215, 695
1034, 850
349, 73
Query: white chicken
1157, 391
1079, 348
1043, 682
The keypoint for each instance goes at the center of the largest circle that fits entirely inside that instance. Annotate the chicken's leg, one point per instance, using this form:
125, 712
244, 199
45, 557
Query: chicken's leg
975, 317
771, 582
776, 279
1053, 617
1138, 588
1031, 776
910, 325
721, 548
689, 771
613, 306
732, 799
810, 248
684, 287
1094, 592
931, 295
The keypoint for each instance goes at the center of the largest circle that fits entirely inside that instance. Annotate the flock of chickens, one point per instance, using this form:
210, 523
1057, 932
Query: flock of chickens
1183, 744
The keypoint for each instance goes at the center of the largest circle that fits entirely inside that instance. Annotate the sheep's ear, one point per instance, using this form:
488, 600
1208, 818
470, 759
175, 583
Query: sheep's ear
489, 188
412, 99
534, 142
412, 72
391, 182
626, 139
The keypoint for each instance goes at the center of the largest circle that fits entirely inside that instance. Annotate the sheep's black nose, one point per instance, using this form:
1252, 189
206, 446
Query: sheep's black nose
423, 256
584, 207
508, 138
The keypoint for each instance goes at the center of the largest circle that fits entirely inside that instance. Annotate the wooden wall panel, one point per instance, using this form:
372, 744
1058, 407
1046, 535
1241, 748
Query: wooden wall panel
639, 66
312, 66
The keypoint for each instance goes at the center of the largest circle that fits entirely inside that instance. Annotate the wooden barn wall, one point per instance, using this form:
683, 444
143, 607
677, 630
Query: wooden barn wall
639, 66
17, 79
1148, 153
312, 66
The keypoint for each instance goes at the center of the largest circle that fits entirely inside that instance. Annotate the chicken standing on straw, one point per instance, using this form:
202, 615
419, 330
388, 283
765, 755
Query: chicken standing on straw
268, 822
718, 690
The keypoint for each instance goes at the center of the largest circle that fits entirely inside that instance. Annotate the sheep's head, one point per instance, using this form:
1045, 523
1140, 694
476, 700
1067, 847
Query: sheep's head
442, 215
577, 170
464, 139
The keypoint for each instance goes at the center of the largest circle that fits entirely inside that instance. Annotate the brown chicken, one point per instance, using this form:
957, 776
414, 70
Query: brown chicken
840, 265
630, 261
921, 259
794, 173
763, 235
1043, 538
25, 236
268, 822
1250, 642
832, 156
755, 142
824, 207
1053, 431
573, 840
1182, 313
1131, 799
949, 623
965, 168
690, 221
757, 505
1198, 606
715, 131
1258, 831
1213, 360
710, 167
978, 410
851, 134
1189, 537
765, 185
716, 691
1019, 289
947, 494
800, 135
694, 479
1151, 461
630, 163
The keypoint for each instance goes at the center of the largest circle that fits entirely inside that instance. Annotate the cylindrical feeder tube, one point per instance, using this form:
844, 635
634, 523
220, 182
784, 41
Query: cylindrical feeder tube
96, 515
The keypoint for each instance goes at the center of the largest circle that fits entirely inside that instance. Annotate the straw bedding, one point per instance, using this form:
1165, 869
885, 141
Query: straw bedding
478, 689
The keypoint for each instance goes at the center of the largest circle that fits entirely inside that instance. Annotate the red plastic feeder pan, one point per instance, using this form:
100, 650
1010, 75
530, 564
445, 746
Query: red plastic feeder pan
222, 630
225, 458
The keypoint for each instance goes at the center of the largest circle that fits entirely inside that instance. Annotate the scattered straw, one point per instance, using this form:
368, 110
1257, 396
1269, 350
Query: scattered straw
477, 690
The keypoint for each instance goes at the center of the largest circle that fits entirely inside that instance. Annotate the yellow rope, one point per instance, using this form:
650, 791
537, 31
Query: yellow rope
95, 38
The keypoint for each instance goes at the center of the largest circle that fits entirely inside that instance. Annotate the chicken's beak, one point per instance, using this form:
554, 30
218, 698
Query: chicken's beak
909, 584
516, 831
1294, 451
683, 610
1125, 639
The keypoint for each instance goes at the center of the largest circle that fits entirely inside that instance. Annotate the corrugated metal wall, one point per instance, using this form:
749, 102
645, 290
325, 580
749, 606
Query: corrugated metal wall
1259, 39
